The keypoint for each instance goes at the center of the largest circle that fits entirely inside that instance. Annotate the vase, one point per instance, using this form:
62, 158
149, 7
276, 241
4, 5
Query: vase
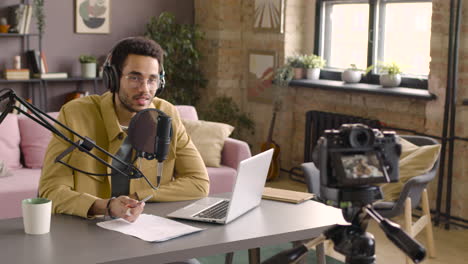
390, 80
88, 70
350, 76
298, 73
4, 28
313, 74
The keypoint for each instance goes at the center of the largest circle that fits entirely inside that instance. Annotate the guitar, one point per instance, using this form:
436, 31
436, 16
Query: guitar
274, 170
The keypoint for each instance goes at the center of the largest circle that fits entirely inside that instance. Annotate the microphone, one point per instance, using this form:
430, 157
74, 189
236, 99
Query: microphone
150, 132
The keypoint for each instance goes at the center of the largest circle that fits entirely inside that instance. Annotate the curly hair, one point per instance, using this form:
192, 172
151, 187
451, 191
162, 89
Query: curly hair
138, 46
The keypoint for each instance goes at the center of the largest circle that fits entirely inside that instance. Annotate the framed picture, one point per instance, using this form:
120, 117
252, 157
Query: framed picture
262, 66
92, 17
269, 16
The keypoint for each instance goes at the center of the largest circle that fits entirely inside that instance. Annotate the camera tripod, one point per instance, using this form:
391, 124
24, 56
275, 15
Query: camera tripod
357, 245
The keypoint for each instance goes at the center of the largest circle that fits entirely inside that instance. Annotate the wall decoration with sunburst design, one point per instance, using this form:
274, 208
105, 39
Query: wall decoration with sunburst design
269, 15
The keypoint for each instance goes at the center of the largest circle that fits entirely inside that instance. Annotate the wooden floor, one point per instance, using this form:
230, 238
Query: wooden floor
451, 245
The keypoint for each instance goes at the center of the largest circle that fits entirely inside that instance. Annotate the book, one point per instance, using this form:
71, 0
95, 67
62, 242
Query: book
32, 58
51, 75
17, 74
286, 195
44, 66
27, 24
36, 61
17, 18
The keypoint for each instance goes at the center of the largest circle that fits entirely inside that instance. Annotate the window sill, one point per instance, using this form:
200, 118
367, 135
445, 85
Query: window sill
364, 88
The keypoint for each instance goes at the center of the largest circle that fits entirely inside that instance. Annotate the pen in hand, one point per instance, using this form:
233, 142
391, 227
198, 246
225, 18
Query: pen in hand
140, 202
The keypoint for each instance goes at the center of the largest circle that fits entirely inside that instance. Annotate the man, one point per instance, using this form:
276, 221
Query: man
138, 68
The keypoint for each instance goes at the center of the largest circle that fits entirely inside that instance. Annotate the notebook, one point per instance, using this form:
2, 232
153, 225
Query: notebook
286, 195
246, 195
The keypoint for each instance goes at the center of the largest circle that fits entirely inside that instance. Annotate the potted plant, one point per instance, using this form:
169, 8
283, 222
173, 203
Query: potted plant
88, 66
297, 63
313, 63
390, 74
353, 74
283, 75
185, 79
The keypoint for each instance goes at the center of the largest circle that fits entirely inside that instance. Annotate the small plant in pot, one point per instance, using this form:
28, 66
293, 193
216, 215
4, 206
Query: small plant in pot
88, 66
313, 64
390, 74
297, 63
353, 74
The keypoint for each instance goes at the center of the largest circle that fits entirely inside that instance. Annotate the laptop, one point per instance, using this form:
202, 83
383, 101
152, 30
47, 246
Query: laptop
246, 195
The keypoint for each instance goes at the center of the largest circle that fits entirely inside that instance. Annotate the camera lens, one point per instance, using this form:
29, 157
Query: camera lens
361, 137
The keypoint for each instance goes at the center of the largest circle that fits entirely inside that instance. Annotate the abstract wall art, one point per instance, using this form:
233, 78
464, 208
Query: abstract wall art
92, 16
269, 16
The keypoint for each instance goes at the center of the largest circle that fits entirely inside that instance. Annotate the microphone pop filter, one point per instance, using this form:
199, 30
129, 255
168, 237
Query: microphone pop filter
149, 132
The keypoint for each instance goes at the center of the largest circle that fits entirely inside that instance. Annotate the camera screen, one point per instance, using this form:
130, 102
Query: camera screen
358, 166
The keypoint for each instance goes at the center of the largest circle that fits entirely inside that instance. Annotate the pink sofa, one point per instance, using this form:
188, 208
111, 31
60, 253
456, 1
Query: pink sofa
23, 144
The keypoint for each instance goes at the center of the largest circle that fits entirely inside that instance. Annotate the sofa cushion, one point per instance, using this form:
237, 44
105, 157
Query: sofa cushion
23, 184
222, 179
10, 142
34, 140
209, 139
187, 112
414, 161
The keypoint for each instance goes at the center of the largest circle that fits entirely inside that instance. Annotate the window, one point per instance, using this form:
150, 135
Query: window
368, 32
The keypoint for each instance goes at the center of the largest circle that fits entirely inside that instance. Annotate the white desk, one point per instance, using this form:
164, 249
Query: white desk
76, 240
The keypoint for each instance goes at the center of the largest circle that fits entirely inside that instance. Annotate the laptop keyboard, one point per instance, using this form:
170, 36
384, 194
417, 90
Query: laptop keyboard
217, 211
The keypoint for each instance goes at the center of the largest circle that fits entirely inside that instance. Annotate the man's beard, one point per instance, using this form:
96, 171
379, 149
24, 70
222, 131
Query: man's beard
124, 100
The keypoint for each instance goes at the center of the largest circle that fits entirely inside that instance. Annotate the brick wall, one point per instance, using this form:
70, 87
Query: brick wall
229, 37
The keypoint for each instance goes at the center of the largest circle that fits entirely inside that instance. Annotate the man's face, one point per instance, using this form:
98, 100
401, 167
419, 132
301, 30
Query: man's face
138, 83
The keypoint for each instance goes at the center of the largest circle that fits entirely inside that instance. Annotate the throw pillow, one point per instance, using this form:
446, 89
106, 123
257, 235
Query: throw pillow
34, 140
414, 160
4, 172
209, 139
10, 142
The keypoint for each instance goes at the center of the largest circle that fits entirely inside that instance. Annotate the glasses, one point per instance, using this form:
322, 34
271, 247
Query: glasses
136, 81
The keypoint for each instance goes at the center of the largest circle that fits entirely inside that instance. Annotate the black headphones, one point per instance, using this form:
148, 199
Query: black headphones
111, 78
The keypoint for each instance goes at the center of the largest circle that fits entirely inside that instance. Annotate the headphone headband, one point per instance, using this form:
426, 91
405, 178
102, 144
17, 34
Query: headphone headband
111, 76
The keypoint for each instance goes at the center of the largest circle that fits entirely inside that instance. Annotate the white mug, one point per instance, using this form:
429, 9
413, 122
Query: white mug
36, 215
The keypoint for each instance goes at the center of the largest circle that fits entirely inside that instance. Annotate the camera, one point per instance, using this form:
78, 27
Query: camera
353, 159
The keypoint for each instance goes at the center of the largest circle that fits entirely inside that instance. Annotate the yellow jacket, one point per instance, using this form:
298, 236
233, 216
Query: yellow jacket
184, 173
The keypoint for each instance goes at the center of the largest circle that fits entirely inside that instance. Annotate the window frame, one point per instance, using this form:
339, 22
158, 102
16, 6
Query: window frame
374, 35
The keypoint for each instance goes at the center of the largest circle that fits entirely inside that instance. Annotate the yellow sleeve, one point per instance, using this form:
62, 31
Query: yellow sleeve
57, 181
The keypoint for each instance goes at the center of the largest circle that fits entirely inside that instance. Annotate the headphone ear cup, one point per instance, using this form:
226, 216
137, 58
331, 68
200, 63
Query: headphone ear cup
111, 78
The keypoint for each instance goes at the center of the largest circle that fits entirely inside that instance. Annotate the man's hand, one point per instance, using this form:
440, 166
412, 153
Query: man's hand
119, 206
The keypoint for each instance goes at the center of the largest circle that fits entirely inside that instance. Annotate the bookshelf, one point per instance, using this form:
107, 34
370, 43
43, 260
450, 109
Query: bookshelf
25, 42
37, 88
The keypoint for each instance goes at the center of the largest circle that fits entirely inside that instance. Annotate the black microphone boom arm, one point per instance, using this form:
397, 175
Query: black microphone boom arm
84, 144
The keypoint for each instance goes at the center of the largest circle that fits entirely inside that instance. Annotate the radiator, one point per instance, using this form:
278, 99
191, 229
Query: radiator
317, 122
